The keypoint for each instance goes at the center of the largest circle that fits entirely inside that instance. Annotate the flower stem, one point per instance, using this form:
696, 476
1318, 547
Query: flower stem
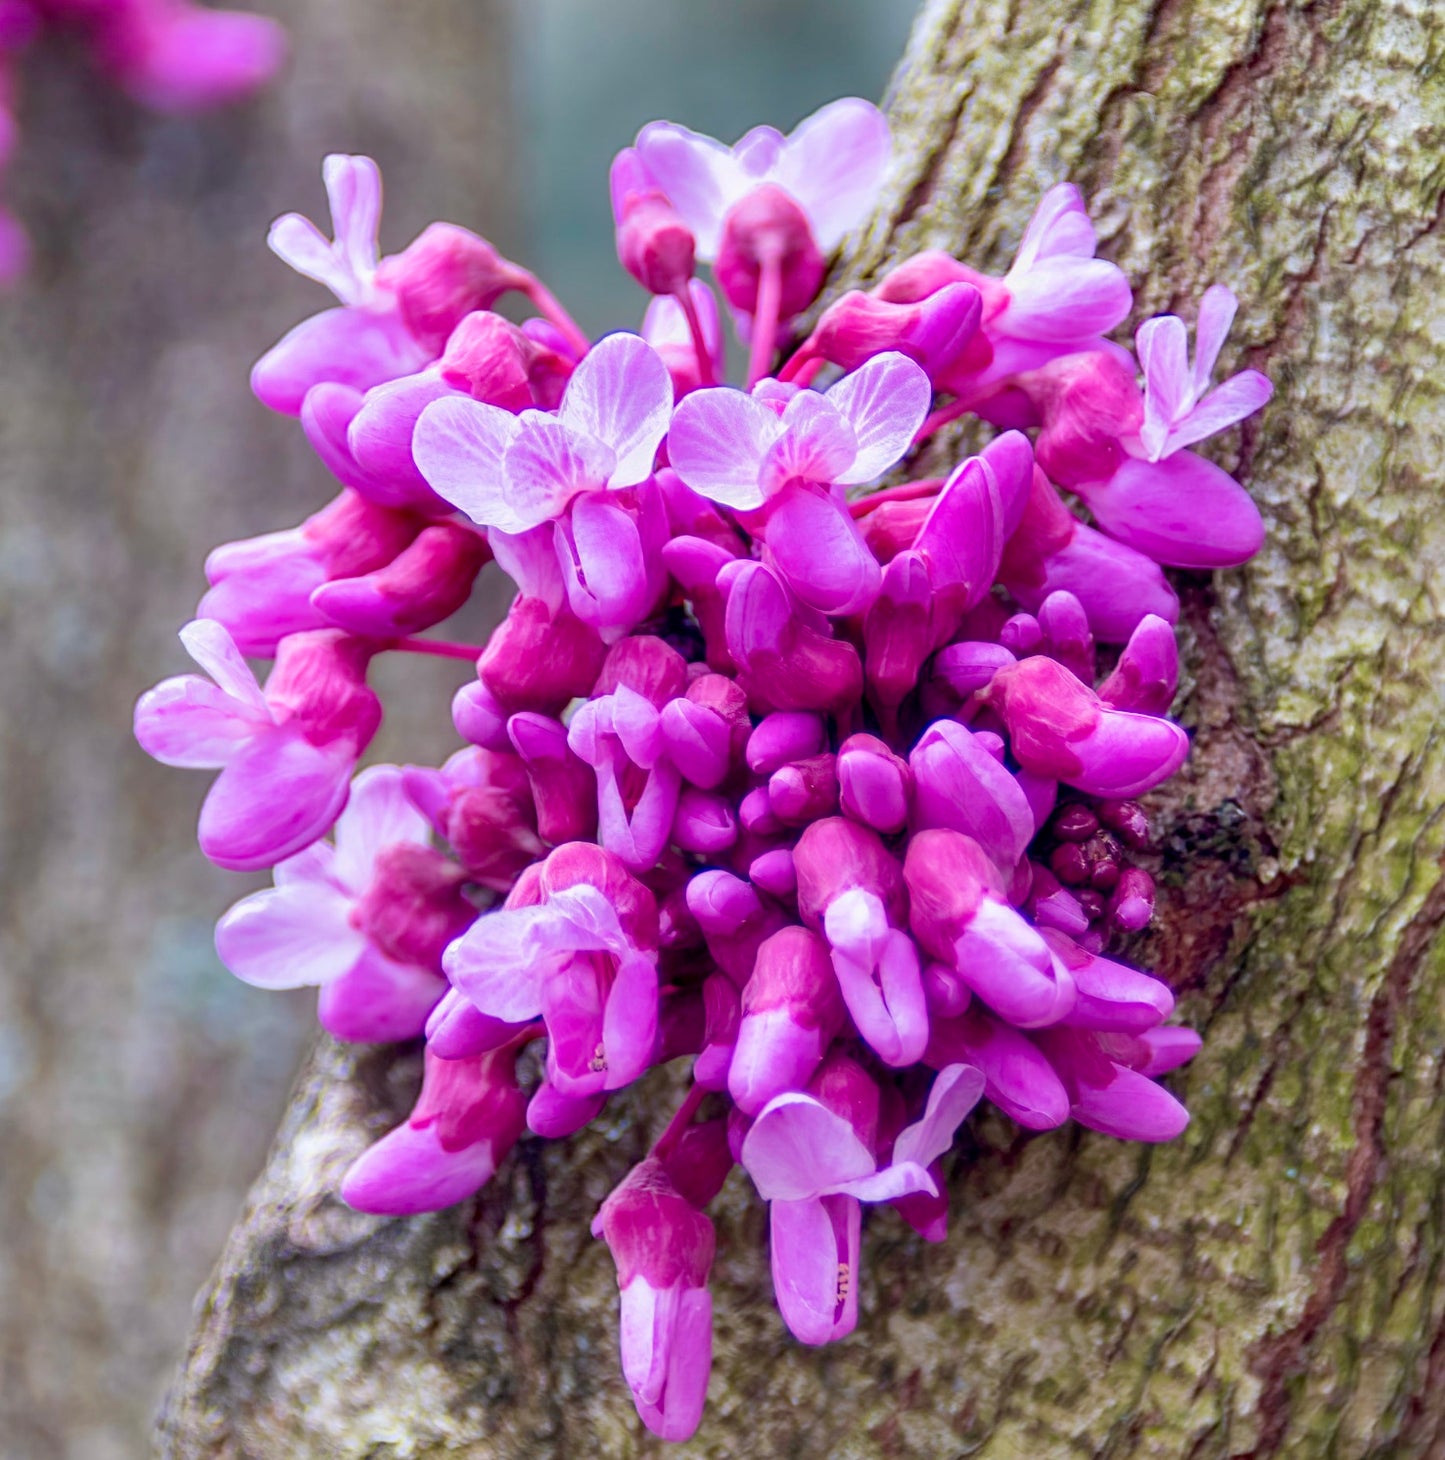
442, 648
765, 318
550, 308
663, 1146
699, 344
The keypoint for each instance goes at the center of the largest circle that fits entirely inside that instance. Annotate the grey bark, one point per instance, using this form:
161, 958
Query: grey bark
1271, 1283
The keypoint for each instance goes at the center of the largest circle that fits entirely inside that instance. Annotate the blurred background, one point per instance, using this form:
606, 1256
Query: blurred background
139, 1082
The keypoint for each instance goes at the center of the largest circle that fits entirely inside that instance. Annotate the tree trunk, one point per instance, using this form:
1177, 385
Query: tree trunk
1272, 1282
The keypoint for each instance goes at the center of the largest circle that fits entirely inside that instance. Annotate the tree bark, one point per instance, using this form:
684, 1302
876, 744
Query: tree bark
1272, 1282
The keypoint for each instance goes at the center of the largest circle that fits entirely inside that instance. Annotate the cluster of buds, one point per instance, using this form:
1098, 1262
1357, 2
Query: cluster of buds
814, 785
170, 55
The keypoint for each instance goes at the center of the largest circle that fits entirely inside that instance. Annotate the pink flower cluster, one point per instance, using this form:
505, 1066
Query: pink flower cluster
815, 785
170, 55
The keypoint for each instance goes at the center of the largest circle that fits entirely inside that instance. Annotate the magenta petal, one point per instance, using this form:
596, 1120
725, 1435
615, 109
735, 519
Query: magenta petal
629, 1022
380, 436
956, 1090
1169, 1048
677, 1412
278, 795
815, 1248
1116, 584
1184, 512
197, 58
962, 537
326, 416
379, 814
959, 785
1017, 1076
352, 347
1127, 754
379, 1001
457, 1029
774, 1054
816, 545
1132, 1107
608, 585
1005, 962
1066, 299
408, 1171
879, 976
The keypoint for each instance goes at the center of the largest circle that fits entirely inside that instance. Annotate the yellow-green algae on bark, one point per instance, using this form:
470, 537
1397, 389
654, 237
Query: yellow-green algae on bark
1269, 1284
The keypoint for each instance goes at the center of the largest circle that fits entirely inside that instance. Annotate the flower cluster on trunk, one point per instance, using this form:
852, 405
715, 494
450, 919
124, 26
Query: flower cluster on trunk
822, 787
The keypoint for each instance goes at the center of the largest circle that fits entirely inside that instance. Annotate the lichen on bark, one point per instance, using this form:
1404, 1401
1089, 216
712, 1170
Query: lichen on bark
1272, 1282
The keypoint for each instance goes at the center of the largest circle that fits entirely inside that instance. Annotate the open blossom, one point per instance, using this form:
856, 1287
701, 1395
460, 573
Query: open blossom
364, 919
819, 786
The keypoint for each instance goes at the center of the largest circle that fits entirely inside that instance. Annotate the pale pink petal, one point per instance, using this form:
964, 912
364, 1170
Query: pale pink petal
1065, 300
817, 445
717, 443
1216, 314
299, 243
496, 963
1239, 396
815, 1266
1060, 227
212, 647
290, 936
833, 163
546, 465
277, 795
458, 447
885, 401
678, 1411
379, 814
757, 152
798, 1149
903, 1178
188, 721
701, 177
621, 395
955, 1092
408, 1171
315, 863
1164, 355
353, 188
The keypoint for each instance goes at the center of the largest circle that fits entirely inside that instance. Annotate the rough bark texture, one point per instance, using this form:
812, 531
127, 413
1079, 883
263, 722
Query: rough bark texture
1271, 1283
138, 1084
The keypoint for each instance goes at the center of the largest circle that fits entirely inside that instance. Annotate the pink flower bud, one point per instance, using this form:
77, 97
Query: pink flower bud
703, 823
804, 790
424, 584
564, 787
468, 1117
933, 332
1147, 673
445, 273
1087, 403
490, 359
663, 1248
792, 1010
875, 786
768, 227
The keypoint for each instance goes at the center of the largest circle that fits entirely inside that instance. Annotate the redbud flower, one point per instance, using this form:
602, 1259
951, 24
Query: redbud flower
319, 925
285, 756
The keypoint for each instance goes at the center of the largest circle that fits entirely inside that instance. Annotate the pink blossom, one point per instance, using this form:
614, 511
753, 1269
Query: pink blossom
285, 756
336, 919
830, 166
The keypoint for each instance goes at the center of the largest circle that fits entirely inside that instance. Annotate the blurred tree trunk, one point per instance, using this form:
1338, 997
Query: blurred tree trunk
1271, 1283
138, 1085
